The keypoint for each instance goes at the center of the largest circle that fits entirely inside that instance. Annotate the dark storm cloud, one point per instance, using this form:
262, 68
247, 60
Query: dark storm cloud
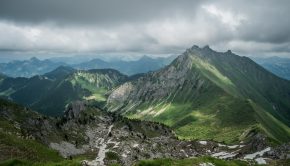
248, 27
91, 11
270, 22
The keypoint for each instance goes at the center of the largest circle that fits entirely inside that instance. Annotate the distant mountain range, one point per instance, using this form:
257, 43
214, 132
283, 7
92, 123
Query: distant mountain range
143, 65
277, 65
31, 67
28, 68
34, 66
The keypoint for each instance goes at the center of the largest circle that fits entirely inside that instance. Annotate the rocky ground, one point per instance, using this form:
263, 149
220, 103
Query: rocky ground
108, 138
114, 139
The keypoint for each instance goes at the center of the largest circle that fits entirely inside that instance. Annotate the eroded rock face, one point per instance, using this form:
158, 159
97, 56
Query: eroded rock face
159, 86
67, 149
74, 109
280, 152
130, 140
114, 139
121, 94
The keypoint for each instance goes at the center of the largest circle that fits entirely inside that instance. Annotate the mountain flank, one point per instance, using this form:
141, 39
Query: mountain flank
204, 94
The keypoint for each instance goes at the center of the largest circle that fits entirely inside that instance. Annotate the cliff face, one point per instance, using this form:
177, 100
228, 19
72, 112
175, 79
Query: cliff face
159, 86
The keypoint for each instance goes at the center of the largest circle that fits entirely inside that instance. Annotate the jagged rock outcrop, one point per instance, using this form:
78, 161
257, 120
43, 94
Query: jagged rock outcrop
74, 109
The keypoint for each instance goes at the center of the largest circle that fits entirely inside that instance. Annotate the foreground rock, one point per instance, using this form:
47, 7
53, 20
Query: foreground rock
107, 138
114, 139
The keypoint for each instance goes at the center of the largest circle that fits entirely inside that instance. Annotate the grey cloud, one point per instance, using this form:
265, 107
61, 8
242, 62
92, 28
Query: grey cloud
152, 26
92, 11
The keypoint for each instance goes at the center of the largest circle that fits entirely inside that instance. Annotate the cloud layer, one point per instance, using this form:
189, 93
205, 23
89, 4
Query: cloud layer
251, 28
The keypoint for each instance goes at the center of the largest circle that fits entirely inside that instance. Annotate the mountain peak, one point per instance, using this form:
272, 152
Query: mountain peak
34, 59
145, 57
59, 72
195, 47
206, 47
200, 51
229, 52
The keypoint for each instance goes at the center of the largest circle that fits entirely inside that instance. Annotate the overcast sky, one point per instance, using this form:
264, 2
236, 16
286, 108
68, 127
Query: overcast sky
135, 27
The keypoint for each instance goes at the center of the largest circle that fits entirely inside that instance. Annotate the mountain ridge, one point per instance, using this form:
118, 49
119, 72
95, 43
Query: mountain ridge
202, 86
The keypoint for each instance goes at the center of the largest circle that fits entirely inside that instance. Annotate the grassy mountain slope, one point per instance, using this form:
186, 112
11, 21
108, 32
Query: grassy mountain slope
205, 94
256, 83
50, 93
89, 85
190, 162
204, 161
13, 143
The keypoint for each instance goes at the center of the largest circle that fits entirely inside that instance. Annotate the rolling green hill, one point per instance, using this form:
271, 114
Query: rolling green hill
204, 94
50, 93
